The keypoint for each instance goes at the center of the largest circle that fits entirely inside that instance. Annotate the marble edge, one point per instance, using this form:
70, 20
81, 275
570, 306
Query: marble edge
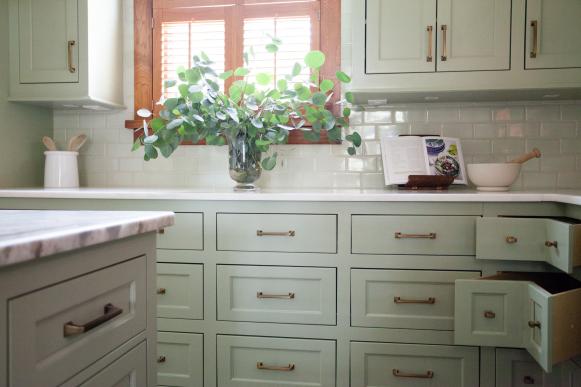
26, 249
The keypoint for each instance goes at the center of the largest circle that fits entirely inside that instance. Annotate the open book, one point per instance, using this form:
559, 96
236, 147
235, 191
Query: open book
411, 155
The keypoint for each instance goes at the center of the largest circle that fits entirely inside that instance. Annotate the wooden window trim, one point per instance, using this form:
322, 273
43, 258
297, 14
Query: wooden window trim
329, 43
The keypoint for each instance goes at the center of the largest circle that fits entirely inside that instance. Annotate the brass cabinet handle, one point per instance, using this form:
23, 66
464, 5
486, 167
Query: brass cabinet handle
161, 291
71, 46
399, 235
161, 231
535, 27
399, 374
444, 42
528, 380
430, 30
534, 324
511, 239
554, 244
489, 314
287, 296
110, 312
261, 366
399, 300
161, 359
290, 233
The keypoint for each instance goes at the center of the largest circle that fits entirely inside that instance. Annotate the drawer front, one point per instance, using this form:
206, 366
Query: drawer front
187, 233
277, 294
394, 365
275, 362
180, 291
426, 235
130, 370
277, 233
41, 353
404, 298
180, 359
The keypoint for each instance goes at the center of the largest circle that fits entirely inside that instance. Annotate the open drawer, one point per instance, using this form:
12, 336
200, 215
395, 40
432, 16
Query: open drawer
555, 240
539, 312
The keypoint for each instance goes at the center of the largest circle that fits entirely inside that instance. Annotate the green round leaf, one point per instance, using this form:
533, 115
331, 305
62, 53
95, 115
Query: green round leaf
272, 48
264, 79
297, 68
343, 77
169, 83
319, 99
241, 72
346, 112
351, 151
315, 59
226, 75
269, 162
282, 85
349, 97
326, 85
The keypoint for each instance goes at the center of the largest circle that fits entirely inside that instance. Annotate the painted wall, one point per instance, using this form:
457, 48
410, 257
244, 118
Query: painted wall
21, 127
489, 132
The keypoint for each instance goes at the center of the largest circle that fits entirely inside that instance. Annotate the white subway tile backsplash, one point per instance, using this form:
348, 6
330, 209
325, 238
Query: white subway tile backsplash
426, 129
508, 146
523, 129
475, 114
377, 117
443, 114
490, 130
569, 180
559, 129
543, 113
460, 130
571, 145
571, 112
547, 147
392, 130
536, 180
476, 147
556, 163
508, 113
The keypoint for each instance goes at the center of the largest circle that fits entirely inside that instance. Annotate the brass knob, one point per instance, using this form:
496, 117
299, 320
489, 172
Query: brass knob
511, 239
161, 359
534, 324
489, 314
554, 244
528, 380
161, 291
161, 231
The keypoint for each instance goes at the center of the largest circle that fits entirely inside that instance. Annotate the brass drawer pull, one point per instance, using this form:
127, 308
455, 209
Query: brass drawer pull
489, 314
110, 312
535, 27
528, 380
554, 244
534, 324
161, 231
430, 30
399, 300
288, 296
161, 291
70, 46
511, 239
399, 235
444, 43
161, 359
399, 374
261, 366
290, 233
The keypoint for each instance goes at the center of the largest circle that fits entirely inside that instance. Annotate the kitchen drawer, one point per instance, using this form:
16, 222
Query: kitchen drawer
394, 365
46, 343
180, 359
556, 241
404, 298
301, 233
425, 235
275, 362
535, 311
130, 370
180, 291
187, 233
298, 295
516, 368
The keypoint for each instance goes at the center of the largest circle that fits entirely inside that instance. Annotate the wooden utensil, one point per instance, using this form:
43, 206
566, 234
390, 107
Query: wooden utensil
49, 143
535, 153
76, 142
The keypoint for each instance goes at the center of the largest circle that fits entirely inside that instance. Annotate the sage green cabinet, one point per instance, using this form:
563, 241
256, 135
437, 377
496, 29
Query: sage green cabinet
399, 365
553, 34
180, 361
180, 291
187, 233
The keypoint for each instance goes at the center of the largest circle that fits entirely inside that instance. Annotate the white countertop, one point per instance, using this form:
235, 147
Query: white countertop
31, 234
339, 195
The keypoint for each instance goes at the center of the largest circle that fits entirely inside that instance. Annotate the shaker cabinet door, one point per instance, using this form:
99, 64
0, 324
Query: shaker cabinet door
48, 41
400, 36
474, 35
553, 34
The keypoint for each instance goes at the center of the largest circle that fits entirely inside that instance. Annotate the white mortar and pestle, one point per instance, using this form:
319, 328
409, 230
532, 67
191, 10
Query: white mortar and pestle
499, 176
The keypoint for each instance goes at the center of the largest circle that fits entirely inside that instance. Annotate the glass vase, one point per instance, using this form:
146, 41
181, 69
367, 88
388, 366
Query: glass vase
244, 161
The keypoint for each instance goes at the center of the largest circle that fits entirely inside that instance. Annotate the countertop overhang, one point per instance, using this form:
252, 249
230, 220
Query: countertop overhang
315, 195
26, 235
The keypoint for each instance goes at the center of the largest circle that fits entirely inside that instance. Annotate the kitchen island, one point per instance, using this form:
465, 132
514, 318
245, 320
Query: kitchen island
77, 291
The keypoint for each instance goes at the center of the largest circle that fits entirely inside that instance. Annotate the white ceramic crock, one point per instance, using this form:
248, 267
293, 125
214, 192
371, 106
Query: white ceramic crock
61, 169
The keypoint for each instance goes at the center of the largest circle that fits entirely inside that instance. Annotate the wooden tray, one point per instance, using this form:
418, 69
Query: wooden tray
427, 182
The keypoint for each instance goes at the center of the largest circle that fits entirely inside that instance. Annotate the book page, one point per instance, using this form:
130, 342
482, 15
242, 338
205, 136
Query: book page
402, 156
443, 156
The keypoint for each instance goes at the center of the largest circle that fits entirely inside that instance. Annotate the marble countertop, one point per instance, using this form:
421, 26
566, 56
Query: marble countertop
339, 195
26, 235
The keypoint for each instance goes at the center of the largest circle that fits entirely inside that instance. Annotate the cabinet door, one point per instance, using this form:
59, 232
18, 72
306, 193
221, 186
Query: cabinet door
180, 359
400, 36
474, 35
553, 34
48, 41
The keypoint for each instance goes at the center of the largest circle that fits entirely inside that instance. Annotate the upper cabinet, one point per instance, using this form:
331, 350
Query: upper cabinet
553, 34
67, 53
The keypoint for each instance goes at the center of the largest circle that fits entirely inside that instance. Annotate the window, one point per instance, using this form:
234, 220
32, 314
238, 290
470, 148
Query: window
225, 30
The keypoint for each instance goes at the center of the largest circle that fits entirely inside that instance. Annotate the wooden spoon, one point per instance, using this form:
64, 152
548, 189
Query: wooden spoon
535, 153
49, 143
76, 142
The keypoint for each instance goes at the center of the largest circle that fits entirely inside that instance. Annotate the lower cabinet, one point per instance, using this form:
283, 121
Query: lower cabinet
395, 365
180, 291
275, 362
180, 361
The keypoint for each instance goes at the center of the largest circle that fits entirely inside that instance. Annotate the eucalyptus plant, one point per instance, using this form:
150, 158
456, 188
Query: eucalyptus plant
261, 109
